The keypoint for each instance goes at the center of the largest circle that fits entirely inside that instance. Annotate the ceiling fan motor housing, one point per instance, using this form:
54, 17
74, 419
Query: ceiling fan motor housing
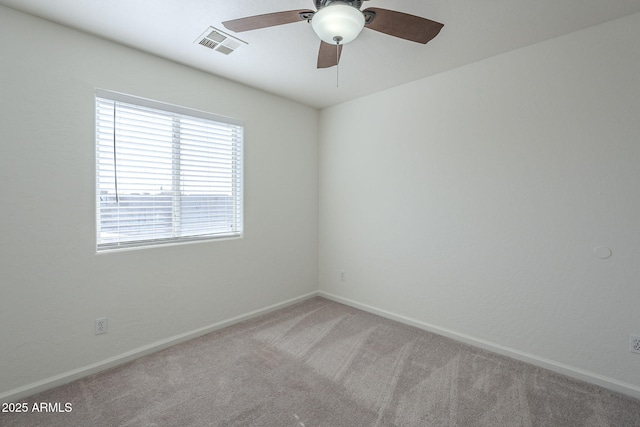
322, 3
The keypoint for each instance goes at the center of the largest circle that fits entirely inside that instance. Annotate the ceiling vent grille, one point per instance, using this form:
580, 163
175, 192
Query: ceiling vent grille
219, 41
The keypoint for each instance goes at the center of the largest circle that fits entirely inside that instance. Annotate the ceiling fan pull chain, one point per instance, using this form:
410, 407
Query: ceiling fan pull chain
337, 39
338, 65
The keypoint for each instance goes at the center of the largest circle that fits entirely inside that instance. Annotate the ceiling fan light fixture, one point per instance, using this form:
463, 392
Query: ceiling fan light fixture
338, 23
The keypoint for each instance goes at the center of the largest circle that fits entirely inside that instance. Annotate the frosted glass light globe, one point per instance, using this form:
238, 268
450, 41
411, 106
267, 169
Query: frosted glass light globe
338, 22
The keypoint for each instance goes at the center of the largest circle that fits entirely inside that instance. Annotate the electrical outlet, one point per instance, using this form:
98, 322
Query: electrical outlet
102, 325
634, 343
343, 277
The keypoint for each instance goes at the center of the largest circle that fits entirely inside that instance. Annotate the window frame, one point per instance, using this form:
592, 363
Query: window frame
237, 180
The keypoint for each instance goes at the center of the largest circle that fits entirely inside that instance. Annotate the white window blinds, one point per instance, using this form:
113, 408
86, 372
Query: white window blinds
164, 174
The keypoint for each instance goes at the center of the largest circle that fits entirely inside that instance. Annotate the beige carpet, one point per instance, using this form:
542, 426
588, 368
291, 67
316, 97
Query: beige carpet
320, 363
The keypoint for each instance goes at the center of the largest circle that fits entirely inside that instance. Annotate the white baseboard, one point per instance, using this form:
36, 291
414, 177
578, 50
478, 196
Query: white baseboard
570, 371
67, 377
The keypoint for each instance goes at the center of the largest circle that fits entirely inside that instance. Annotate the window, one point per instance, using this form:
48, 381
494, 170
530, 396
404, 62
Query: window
164, 174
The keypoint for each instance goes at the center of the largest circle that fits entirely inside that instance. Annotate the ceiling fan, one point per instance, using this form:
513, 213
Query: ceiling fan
338, 22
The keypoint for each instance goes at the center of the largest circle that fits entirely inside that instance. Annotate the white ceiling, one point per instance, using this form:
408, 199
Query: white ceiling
282, 60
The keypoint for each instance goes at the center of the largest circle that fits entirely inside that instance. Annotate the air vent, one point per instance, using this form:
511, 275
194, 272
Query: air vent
219, 41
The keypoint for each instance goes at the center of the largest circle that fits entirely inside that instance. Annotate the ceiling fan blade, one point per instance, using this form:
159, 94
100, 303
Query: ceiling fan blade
327, 56
267, 20
403, 25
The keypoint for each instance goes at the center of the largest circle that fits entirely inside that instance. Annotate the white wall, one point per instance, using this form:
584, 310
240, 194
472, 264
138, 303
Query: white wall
53, 285
471, 202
